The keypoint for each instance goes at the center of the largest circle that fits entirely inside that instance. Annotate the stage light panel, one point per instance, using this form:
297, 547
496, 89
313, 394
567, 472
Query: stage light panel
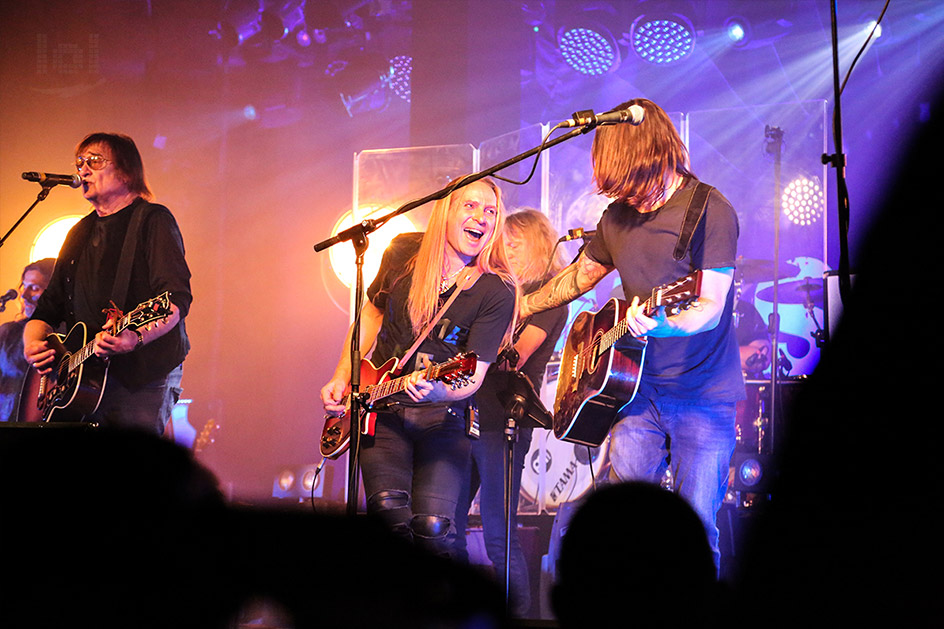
589, 49
802, 201
662, 40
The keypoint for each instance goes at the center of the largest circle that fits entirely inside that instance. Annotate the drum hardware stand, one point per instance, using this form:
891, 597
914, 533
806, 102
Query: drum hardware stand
774, 146
819, 334
524, 409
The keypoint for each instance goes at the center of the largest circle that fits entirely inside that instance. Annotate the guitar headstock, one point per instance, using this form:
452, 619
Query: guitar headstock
458, 371
206, 436
149, 311
677, 295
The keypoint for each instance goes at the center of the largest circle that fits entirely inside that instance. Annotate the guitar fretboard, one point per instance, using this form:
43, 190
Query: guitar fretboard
386, 389
679, 292
605, 341
87, 350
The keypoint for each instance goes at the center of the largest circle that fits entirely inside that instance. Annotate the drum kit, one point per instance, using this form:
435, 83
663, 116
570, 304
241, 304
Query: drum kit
803, 291
757, 419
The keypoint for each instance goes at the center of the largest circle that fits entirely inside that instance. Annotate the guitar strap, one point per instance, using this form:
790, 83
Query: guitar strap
693, 214
466, 280
119, 290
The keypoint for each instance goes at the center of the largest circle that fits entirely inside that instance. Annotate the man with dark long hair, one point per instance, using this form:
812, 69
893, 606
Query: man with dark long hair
13, 365
684, 412
125, 229
417, 460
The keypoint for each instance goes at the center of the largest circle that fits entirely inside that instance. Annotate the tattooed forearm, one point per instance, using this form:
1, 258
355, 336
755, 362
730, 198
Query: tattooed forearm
570, 283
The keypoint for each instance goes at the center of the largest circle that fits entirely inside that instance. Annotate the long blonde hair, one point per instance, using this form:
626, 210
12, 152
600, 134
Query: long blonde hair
635, 164
423, 301
534, 228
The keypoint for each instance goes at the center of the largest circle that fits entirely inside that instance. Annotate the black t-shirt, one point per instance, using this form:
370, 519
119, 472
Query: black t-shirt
704, 366
475, 322
82, 282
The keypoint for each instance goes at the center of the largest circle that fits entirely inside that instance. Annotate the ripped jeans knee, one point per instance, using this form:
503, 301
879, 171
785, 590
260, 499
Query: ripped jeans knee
432, 533
393, 508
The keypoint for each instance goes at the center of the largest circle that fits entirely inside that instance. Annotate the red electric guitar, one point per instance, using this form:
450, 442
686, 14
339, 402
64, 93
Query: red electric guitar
336, 435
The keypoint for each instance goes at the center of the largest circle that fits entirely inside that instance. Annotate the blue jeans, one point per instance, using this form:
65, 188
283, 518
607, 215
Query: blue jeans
488, 476
413, 471
147, 408
696, 439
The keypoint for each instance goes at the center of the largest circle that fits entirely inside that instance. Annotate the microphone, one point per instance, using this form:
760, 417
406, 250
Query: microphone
48, 179
7, 296
574, 234
634, 114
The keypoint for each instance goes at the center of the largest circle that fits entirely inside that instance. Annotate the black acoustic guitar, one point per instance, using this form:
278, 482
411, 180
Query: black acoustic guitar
74, 388
601, 363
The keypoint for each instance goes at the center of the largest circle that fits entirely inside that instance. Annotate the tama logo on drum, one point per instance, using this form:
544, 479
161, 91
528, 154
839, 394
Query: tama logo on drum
565, 478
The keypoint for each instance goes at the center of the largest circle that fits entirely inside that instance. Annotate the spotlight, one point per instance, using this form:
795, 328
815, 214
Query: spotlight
872, 24
738, 30
263, 23
662, 40
752, 472
342, 255
49, 240
298, 481
362, 82
240, 22
589, 49
285, 480
402, 71
802, 201
283, 18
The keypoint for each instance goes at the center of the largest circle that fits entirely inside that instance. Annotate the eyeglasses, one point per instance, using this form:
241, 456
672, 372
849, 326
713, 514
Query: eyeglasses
95, 162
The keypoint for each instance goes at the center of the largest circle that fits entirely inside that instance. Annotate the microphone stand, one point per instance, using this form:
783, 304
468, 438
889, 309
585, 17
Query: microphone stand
46, 187
838, 161
523, 409
358, 236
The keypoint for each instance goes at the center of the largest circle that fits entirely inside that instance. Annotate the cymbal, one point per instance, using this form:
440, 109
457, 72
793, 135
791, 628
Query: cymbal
753, 270
795, 292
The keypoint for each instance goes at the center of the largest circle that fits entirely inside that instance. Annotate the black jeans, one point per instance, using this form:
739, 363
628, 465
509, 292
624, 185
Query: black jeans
413, 470
147, 408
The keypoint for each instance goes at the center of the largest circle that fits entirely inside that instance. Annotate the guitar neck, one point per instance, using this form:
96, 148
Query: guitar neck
621, 328
79, 357
391, 387
667, 294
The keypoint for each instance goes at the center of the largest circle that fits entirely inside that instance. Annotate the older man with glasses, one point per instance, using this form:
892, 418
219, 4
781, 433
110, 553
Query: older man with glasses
124, 253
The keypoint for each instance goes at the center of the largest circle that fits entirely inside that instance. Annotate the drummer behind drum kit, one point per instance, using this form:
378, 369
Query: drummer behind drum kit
755, 432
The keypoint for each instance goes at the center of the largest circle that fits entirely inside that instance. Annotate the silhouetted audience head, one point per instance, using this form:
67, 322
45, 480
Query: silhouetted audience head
109, 528
634, 555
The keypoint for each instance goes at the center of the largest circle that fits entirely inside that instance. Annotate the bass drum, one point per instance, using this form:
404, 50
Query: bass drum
753, 414
558, 471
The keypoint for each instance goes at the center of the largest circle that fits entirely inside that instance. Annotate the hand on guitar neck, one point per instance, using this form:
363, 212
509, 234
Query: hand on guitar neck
649, 318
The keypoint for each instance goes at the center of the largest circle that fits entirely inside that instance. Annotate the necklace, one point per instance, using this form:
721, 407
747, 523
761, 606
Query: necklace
446, 280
